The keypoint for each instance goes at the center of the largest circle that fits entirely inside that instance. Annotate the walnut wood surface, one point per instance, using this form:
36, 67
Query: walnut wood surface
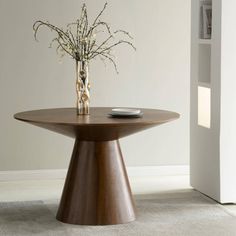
97, 126
96, 190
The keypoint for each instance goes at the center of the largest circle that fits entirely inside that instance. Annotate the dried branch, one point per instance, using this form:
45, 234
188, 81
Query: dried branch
79, 39
111, 60
101, 12
100, 46
124, 32
100, 23
112, 46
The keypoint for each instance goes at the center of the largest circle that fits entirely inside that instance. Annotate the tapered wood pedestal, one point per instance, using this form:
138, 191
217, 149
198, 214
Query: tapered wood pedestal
97, 190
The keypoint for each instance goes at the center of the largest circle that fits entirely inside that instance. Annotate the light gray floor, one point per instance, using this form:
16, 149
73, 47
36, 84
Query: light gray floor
173, 213
167, 205
144, 187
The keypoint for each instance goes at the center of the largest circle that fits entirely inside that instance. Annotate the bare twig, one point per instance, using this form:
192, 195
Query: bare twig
100, 46
101, 12
112, 46
79, 40
112, 61
124, 32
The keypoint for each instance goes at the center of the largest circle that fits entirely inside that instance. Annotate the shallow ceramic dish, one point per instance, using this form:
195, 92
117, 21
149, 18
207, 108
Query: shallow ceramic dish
125, 111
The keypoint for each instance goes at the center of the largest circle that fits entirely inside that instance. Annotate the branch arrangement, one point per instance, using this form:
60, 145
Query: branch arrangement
79, 40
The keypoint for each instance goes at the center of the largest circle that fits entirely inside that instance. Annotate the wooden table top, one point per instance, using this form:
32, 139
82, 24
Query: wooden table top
98, 116
66, 121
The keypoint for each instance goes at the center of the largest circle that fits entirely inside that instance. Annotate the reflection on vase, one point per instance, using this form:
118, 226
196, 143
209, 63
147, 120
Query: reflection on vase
82, 87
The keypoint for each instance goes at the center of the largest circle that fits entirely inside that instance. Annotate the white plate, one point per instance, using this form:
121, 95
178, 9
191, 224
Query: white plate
126, 116
125, 111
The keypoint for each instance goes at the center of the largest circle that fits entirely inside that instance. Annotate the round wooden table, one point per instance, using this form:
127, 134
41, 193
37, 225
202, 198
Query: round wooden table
97, 190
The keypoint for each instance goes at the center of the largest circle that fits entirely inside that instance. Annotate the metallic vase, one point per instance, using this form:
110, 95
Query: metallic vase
82, 87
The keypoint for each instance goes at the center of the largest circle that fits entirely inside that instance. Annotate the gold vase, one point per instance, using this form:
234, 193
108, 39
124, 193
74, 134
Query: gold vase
82, 87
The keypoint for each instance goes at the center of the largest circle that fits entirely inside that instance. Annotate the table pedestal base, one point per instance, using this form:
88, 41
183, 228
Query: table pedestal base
97, 190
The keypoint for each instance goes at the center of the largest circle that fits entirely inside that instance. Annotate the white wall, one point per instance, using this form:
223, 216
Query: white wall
156, 76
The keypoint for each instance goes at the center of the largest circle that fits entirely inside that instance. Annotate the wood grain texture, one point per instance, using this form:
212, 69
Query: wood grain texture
97, 190
97, 126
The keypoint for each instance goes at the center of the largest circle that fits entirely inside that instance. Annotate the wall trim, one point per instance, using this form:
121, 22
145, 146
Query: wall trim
16, 175
148, 171
133, 171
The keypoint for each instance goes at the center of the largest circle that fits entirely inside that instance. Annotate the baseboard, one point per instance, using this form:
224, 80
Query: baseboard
142, 171
18, 175
133, 172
